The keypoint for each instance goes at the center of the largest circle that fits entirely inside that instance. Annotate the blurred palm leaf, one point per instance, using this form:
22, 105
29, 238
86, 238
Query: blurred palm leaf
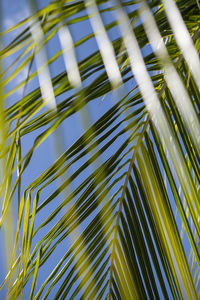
123, 199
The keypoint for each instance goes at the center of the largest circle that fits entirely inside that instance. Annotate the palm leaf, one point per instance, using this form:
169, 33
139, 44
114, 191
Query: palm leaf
106, 218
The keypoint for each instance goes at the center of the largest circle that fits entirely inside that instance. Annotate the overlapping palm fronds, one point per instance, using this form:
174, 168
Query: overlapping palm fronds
117, 214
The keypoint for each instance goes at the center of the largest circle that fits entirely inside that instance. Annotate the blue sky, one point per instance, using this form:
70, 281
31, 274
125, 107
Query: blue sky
71, 129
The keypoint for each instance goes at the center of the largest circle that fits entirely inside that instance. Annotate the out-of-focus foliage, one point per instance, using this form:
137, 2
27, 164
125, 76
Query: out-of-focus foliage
123, 199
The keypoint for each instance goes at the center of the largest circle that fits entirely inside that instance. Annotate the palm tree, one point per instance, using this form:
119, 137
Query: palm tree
116, 214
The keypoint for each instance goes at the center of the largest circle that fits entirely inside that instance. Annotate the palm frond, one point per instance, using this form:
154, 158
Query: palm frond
116, 214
